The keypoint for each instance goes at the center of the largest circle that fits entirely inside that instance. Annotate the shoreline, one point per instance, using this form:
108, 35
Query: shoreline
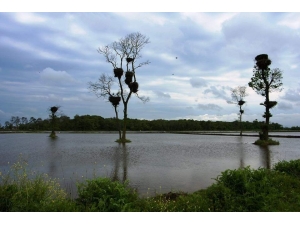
217, 133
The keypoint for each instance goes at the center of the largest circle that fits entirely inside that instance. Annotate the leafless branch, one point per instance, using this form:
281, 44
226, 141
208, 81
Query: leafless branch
144, 99
102, 88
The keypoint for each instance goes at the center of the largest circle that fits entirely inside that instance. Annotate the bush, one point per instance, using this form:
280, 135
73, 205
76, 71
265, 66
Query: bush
254, 191
19, 193
291, 168
104, 195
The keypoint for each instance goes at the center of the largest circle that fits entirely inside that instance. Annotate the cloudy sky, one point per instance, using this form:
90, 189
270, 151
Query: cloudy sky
48, 59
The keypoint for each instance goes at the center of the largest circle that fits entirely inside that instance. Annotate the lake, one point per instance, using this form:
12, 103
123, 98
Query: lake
152, 162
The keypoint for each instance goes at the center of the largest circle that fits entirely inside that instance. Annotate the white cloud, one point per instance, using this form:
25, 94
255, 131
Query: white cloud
209, 21
292, 20
294, 66
28, 17
77, 30
52, 76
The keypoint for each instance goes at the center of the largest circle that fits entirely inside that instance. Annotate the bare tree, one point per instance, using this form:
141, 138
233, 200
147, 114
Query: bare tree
263, 82
238, 94
102, 88
123, 55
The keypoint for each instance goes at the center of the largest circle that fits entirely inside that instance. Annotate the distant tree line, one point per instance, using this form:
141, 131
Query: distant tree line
98, 123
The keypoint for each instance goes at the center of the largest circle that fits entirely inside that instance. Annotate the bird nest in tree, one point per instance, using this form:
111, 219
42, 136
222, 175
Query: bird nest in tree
129, 74
128, 77
261, 56
118, 72
241, 102
115, 100
54, 109
134, 87
129, 59
272, 104
263, 63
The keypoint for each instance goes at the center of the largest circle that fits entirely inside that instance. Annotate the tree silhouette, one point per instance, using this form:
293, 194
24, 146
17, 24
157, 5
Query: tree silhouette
102, 88
263, 82
123, 55
238, 94
53, 116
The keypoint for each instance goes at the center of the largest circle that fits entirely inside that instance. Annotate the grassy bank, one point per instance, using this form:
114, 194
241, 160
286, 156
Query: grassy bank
240, 190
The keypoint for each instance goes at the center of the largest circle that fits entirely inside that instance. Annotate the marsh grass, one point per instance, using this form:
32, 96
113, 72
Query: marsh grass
22, 190
266, 142
123, 141
239, 190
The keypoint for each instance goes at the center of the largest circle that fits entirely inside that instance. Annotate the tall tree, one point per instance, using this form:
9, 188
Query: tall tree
263, 82
238, 94
124, 55
53, 116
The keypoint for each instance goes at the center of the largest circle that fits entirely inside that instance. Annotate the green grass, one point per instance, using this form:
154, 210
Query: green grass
123, 141
266, 142
239, 190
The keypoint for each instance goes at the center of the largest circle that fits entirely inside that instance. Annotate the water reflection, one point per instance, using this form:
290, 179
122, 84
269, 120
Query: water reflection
120, 159
265, 156
241, 151
54, 156
161, 162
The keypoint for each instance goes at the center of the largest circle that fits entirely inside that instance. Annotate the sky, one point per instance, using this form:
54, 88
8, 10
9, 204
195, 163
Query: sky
196, 57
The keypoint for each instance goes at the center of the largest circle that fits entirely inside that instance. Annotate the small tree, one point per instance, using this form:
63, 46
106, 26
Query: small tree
263, 82
238, 94
53, 116
123, 55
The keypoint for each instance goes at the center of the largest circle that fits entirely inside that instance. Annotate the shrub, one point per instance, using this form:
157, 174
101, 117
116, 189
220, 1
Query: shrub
19, 193
254, 190
291, 168
104, 195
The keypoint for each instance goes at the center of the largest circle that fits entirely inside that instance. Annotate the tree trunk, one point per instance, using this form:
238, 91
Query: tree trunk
267, 112
118, 122
241, 128
266, 134
124, 123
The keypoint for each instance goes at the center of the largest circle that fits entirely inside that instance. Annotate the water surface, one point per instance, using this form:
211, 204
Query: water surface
152, 162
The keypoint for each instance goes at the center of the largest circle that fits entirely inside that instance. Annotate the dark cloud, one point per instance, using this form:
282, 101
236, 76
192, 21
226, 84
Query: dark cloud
284, 106
212, 107
198, 82
218, 92
292, 95
161, 94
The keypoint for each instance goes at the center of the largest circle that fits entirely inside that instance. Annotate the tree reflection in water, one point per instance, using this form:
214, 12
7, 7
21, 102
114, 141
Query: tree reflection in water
266, 156
120, 157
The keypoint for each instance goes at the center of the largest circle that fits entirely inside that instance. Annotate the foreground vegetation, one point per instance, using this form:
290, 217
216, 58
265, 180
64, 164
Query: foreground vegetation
240, 190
